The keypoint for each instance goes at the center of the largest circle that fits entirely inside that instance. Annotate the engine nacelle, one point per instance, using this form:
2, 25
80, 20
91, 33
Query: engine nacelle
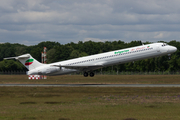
43, 70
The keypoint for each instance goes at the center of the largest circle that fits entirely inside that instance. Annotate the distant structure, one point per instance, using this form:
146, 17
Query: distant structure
34, 77
43, 60
43, 56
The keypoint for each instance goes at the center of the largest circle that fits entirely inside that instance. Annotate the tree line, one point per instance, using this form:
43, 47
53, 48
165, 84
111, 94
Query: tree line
59, 52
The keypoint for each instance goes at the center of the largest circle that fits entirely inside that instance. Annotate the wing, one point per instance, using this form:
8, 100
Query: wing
82, 67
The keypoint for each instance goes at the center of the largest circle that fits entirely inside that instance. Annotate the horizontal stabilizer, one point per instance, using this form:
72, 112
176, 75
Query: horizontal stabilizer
10, 58
19, 57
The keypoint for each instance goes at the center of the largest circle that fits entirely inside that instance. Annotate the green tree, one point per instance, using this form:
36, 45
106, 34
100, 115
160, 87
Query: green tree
50, 55
74, 54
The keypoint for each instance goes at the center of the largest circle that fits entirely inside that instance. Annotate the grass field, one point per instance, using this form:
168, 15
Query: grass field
75, 103
90, 103
100, 79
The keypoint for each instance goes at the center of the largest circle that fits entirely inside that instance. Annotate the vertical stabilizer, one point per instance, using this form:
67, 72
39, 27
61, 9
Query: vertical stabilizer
28, 61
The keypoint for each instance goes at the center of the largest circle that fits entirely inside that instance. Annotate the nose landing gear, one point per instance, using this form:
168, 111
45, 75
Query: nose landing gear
169, 56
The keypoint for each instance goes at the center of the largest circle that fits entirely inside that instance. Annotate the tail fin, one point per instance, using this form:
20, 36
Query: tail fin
28, 61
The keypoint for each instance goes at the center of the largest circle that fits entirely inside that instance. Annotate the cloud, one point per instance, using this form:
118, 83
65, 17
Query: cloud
32, 21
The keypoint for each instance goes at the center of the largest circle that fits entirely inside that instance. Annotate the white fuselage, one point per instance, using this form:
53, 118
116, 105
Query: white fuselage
105, 59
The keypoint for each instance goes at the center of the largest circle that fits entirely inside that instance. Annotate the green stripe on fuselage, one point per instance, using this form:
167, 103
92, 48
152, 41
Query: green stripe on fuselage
119, 52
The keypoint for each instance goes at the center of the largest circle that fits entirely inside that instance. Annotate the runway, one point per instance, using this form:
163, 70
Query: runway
89, 85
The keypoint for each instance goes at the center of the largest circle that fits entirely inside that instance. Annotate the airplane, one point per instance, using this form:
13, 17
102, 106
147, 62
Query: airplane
93, 62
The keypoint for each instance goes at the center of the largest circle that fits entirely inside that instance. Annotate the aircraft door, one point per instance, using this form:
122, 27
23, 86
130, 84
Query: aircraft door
158, 48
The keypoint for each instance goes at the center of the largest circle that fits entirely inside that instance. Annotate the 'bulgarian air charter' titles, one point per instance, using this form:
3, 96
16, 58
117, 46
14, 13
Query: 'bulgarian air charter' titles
124, 51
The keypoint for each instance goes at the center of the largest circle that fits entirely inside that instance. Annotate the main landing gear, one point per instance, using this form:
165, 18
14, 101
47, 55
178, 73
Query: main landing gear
91, 74
85, 74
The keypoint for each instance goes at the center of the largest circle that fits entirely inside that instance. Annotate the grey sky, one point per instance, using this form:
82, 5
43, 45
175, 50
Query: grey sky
32, 21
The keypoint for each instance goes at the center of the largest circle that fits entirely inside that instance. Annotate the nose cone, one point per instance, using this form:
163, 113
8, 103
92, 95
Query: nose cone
173, 49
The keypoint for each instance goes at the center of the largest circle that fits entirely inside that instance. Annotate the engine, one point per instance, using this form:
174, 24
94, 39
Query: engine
43, 70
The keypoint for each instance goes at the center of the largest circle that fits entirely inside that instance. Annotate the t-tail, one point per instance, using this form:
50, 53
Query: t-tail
28, 61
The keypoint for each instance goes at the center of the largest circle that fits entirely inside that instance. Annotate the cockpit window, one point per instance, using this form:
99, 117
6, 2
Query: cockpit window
164, 44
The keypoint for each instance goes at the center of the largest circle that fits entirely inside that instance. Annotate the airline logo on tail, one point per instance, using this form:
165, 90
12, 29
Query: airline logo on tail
29, 62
